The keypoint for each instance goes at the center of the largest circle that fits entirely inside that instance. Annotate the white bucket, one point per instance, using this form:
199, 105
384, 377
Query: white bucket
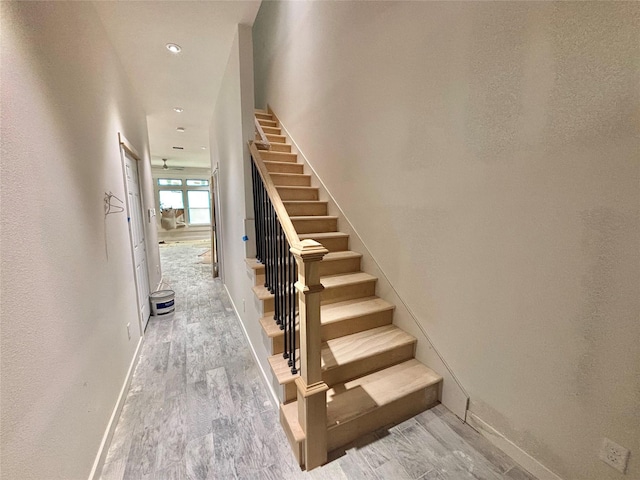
162, 302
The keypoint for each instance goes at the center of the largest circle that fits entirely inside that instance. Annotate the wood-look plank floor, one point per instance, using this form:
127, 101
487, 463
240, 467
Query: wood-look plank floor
198, 408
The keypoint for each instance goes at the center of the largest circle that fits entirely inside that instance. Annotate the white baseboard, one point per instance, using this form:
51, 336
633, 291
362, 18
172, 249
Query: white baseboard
267, 380
96, 470
525, 460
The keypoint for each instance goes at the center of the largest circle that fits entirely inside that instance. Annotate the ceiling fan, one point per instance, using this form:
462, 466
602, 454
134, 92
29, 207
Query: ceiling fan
166, 167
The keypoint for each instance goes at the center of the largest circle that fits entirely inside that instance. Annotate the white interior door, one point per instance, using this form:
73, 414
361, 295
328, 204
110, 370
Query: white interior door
136, 229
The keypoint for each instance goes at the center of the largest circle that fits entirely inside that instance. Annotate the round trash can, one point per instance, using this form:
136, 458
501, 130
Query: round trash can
162, 302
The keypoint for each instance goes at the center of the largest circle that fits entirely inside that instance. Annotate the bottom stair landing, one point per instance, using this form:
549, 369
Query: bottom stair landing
368, 403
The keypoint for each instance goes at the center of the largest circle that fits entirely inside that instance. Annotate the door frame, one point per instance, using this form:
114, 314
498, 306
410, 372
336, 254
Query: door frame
126, 148
215, 209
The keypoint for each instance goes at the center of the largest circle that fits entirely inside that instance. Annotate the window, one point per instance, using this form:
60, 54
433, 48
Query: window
188, 194
171, 199
170, 182
198, 201
197, 183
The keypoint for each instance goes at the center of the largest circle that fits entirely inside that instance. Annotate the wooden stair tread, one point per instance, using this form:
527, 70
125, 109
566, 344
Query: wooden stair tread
335, 281
295, 187
334, 312
261, 292
313, 217
350, 348
276, 162
352, 399
302, 202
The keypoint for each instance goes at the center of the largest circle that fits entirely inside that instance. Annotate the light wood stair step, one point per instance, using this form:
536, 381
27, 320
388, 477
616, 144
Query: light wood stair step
305, 208
315, 223
363, 405
351, 356
267, 123
337, 288
272, 130
337, 320
333, 263
273, 156
291, 179
276, 138
298, 193
279, 147
332, 241
284, 167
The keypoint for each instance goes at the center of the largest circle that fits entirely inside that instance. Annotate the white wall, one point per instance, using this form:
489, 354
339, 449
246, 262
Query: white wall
497, 145
231, 127
65, 305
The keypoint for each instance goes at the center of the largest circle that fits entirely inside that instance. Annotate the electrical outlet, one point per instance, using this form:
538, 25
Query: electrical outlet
614, 455
129, 330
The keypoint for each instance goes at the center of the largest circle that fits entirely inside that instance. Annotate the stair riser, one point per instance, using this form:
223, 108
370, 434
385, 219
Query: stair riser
296, 180
341, 328
393, 413
348, 292
284, 168
306, 209
269, 156
280, 147
316, 225
267, 123
272, 130
298, 194
344, 265
338, 244
263, 116
368, 365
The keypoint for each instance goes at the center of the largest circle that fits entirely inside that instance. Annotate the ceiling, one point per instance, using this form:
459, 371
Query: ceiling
140, 30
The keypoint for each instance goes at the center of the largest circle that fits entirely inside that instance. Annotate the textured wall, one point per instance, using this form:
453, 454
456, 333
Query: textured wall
488, 155
65, 305
231, 127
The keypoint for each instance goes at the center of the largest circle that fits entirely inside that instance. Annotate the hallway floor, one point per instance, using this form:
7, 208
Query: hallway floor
198, 407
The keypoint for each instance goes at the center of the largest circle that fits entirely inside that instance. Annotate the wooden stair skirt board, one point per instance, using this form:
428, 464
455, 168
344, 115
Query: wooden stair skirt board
368, 403
367, 362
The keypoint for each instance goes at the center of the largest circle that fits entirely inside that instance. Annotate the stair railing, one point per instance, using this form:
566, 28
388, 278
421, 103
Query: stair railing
292, 274
263, 143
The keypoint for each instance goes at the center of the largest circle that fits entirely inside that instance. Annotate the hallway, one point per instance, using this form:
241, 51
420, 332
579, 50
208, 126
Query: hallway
198, 408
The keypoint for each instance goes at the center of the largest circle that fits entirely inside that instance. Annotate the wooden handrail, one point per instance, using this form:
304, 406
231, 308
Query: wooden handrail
263, 143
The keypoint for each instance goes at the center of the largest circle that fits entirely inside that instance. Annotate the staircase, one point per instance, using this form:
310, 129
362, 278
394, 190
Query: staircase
367, 363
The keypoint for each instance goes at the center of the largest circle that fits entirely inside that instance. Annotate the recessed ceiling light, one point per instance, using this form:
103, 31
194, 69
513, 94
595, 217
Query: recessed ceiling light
180, 129
174, 47
178, 148
178, 109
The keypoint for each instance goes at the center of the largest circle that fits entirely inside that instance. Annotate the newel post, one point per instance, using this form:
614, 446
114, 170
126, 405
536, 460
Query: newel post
312, 402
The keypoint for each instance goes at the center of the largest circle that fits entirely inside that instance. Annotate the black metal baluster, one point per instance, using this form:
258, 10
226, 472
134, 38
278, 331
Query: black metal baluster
294, 370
